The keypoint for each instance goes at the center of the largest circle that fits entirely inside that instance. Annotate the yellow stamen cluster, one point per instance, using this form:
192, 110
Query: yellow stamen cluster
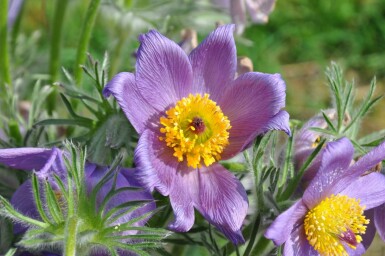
196, 129
336, 221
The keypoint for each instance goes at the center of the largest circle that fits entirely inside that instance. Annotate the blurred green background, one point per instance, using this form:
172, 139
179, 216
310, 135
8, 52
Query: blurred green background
300, 40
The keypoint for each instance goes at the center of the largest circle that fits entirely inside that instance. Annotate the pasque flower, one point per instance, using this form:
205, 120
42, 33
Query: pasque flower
329, 218
259, 11
306, 140
47, 162
190, 113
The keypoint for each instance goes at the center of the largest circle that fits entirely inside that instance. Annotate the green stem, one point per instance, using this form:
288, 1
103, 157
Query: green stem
56, 36
4, 60
85, 38
70, 237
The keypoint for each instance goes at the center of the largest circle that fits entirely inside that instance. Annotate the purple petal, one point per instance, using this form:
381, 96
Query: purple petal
156, 163
25, 158
137, 109
253, 105
13, 11
279, 231
379, 220
369, 189
214, 63
238, 15
304, 144
183, 193
279, 122
360, 249
365, 163
95, 173
163, 71
259, 10
370, 232
297, 244
222, 201
23, 201
336, 159
41, 160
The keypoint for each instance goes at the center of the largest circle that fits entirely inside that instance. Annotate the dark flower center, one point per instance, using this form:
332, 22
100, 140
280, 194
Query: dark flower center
349, 237
198, 124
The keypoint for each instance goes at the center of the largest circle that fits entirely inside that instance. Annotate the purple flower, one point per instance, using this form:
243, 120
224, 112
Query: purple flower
47, 162
379, 220
259, 11
190, 112
306, 140
329, 219
14, 10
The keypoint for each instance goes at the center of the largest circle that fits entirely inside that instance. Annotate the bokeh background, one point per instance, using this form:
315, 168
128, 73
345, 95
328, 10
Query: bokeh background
299, 41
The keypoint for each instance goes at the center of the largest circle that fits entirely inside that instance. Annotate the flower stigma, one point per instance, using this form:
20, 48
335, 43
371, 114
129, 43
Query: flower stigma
337, 221
196, 129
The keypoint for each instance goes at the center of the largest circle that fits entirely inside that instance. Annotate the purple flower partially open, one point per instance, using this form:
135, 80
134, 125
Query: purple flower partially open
306, 140
259, 11
190, 113
329, 219
47, 162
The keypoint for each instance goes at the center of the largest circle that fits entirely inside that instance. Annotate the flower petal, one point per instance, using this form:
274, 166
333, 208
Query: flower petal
22, 200
222, 201
183, 193
163, 71
128, 179
297, 244
253, 105
156, 163
369, 189
305, 141
259, 10
370, 232
379, 220
214, 62
360, 250
336, 158
365, 163
25, 158
137, 109
279, 231
238, 15
41, 160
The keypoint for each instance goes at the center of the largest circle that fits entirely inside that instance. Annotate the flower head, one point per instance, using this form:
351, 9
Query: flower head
306, 140
46, 163
190, 113
329, 219
259, 11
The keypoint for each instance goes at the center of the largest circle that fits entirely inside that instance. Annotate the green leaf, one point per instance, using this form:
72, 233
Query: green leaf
83, 122
7, 210
38, 197
53, 204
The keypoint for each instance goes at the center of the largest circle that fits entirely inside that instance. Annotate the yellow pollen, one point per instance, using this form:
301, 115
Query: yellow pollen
196, 129
316, 142
337, 221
